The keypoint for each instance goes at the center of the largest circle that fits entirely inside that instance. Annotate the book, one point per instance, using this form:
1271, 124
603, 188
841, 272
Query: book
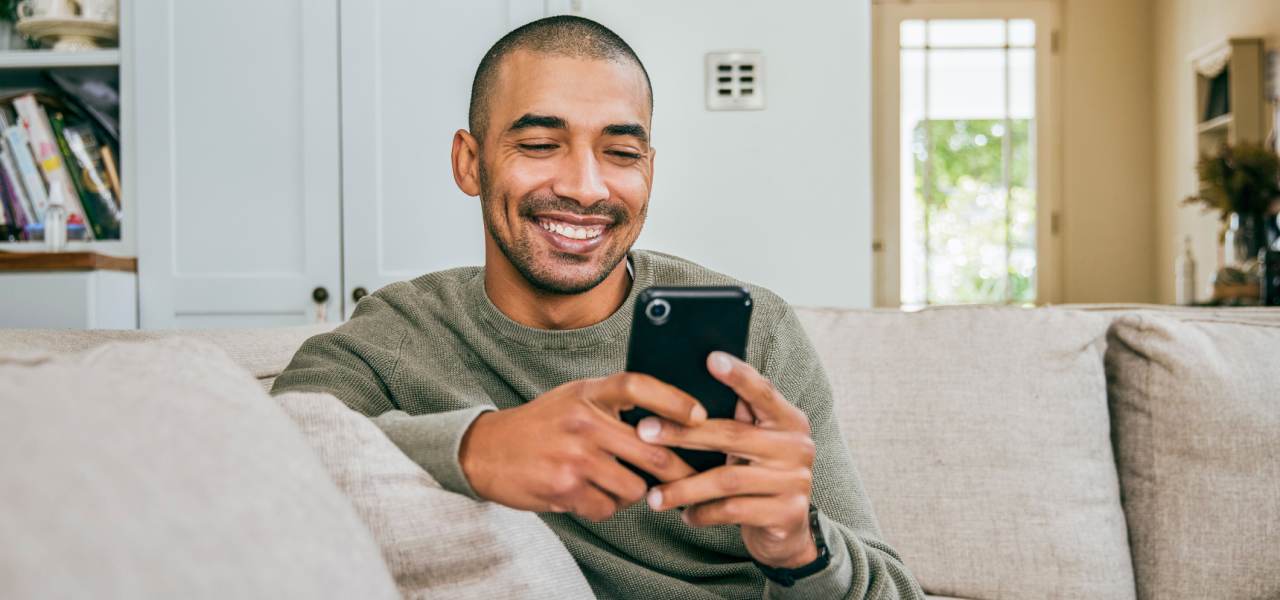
15, 139
20, 209
89, 172
102, 216
44, 146
113, 176
95, 93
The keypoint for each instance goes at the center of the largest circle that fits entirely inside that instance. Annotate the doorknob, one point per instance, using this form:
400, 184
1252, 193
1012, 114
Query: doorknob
320, 296
358, 293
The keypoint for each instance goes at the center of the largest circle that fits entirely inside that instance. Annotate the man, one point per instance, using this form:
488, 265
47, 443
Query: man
558, 152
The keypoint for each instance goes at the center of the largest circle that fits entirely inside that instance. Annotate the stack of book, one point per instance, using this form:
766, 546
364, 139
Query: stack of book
49, 153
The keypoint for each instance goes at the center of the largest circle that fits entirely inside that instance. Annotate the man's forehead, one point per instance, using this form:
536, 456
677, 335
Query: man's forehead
581, 91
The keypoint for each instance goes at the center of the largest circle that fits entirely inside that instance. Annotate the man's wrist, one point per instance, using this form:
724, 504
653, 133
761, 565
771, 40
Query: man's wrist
816, 553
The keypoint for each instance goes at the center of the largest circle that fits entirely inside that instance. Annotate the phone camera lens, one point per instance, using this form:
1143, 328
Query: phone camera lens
658, 311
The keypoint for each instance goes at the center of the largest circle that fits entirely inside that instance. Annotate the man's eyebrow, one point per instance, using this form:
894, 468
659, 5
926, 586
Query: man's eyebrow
632, 129
530, 120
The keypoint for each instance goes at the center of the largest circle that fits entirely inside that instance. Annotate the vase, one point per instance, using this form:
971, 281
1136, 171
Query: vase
1246, 234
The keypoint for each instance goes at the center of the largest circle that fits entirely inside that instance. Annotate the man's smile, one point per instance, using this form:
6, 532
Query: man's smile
575, 234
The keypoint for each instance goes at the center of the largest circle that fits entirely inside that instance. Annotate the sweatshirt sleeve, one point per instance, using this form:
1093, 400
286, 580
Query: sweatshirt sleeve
862, 564
355, 362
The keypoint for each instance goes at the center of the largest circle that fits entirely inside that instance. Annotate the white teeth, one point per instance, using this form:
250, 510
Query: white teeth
571, 231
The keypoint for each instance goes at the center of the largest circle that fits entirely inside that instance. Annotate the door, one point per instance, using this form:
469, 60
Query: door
406, 81
965, 136
237, 162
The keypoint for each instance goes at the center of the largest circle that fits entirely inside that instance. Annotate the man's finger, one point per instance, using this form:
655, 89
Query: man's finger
764, 400
768, 447
620, 440
593, 504
748, 511
729, 481
626, 487
623, 391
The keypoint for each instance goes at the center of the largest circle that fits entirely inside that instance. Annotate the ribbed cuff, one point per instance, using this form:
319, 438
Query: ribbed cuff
831, 582
433, 441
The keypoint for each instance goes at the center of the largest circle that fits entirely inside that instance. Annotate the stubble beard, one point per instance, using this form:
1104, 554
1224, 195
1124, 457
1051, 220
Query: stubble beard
520, 252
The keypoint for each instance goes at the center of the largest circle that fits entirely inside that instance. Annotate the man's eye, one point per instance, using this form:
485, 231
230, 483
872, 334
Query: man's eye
538, 147
627, 155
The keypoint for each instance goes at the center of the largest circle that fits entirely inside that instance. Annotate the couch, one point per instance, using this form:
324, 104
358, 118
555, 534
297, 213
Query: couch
1062, 452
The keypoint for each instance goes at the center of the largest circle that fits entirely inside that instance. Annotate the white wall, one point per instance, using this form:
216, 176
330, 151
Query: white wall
779, 197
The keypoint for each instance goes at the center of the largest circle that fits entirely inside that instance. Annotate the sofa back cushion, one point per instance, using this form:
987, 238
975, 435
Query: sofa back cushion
1196, 403
163, 470
438, 544
263, 352
983, 441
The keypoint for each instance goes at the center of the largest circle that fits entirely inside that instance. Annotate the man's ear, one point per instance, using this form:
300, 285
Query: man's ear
466, 162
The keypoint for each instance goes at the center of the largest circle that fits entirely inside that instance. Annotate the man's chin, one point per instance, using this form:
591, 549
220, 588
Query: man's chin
566, 275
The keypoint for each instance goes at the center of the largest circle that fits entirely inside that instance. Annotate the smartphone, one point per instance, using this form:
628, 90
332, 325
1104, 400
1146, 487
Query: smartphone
672, 332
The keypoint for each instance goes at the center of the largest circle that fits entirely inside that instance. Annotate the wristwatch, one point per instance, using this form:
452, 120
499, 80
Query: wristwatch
789, 577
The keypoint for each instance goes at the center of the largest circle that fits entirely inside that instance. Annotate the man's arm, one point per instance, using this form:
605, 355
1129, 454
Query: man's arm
354, 363
862, 565
788, 453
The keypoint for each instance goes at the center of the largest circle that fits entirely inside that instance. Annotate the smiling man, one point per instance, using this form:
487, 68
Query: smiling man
505, 382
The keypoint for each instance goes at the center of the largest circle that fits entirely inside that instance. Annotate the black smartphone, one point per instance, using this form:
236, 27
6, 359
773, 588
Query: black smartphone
672, 332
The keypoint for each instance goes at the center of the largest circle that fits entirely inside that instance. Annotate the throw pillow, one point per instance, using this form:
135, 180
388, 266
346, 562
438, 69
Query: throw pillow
437, 544
162, 470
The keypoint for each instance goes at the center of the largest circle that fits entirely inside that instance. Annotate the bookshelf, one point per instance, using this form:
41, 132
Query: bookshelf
1230, 103
22, 68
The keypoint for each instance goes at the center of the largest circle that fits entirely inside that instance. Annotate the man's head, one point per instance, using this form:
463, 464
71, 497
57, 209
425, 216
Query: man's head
558, 151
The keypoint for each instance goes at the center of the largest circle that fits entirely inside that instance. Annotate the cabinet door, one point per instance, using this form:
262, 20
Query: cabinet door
406, 82
238, 161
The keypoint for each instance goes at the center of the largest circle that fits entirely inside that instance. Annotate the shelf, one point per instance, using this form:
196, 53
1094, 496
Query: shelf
49, 59
1220, 122
65, 261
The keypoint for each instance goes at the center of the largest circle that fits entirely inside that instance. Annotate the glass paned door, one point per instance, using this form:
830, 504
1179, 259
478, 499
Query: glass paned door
967, 161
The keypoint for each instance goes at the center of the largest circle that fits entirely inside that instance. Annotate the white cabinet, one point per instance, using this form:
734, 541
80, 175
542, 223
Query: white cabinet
406, 80
237, 161
286, 145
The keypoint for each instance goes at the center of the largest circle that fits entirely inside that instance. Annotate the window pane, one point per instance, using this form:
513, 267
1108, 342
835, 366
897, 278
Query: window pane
965, 210
911, 34
1022, 83
966, 84
1022, 33
966, 33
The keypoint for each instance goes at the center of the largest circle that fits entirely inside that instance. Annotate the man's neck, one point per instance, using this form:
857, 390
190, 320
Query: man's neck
531, 307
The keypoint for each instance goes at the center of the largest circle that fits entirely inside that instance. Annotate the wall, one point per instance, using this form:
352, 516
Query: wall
1183, 27
779, 197
1108, 224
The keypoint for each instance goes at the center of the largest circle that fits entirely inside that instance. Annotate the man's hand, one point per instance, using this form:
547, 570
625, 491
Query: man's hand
557, 452
766, 484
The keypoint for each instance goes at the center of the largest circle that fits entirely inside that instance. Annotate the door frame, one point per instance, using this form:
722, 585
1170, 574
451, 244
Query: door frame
885, 103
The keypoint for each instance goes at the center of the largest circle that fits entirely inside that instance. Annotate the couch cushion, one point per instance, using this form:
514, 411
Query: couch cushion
263, 352
163, 470
438, 544
983, 440
1196, 405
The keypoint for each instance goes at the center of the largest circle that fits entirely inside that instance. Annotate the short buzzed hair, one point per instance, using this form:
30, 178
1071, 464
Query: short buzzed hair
563, 35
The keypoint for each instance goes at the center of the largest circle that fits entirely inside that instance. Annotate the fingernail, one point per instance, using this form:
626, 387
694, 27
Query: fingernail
648, 428
684, 516
698, 414
720, 364
655, 499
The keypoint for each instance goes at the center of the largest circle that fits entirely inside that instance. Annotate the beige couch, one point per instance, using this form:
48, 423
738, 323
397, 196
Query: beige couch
1076, 452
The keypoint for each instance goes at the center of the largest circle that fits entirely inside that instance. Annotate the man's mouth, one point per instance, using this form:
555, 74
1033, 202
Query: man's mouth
569, 230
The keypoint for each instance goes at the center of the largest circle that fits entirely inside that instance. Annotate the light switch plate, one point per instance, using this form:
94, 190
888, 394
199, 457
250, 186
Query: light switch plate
735, 80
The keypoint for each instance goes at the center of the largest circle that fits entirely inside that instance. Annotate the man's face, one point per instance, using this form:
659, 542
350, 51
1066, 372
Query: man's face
565, 167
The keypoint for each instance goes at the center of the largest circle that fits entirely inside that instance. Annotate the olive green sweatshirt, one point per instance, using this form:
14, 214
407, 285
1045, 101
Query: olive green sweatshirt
425, 357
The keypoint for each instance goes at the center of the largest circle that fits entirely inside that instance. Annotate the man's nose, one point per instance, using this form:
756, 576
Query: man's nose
581, 179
